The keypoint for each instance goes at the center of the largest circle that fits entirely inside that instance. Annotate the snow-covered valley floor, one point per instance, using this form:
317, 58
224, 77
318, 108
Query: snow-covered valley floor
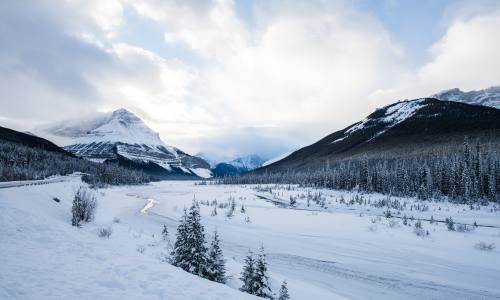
327, 250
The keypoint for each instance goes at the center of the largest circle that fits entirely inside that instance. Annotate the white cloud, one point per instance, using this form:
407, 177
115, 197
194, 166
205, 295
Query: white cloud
465, 57
303, 70
210, 28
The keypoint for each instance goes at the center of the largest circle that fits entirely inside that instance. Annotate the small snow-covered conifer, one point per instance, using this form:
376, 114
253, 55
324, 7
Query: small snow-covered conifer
216, 269
283, 295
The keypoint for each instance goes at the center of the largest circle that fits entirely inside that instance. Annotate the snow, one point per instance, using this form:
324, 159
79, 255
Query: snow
401, 111
358, 126
97, 160
96, 137
44, 257
201, 172
487, 97
148, 205
339, 139
277, 158
338, 252
394, 115
117, 126
249, 162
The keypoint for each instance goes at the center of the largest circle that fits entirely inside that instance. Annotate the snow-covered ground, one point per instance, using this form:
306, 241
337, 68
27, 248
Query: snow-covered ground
328, 250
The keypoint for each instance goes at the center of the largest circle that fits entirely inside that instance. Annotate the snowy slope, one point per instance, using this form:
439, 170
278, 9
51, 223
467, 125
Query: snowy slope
392, 115
44, 257
121, 135
486, 97
277, 158
335, 251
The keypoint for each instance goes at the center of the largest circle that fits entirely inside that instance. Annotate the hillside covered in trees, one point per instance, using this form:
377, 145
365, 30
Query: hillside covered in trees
467, 174
425, 148
25, 157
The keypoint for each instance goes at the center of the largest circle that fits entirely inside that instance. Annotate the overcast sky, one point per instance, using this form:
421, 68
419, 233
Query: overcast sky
238, 77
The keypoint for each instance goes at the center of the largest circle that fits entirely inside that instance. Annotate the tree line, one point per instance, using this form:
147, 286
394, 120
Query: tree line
467, 174
19, 162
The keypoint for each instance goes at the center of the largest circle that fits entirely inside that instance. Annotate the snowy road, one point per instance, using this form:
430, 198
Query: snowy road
55, 179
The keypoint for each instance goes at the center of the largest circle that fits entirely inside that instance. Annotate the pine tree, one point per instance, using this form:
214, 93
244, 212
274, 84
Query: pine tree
164, 233
247, 275
214, 212
181, 253
195, 239
216, 269
190, 252
261, 279
284, 292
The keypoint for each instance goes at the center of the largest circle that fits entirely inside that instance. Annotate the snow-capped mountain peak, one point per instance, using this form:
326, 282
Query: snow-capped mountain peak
487, 97
123, 126
247, 163
120, 125
122, 136
389, 116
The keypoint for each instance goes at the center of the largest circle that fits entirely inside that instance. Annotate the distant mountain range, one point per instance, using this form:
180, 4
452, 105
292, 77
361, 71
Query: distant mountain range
487, 97
123, 137
400, 129
238, 165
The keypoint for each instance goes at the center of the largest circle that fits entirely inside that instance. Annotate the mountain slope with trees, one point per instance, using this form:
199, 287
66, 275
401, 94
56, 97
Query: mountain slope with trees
402, 129
425, 148
26, 157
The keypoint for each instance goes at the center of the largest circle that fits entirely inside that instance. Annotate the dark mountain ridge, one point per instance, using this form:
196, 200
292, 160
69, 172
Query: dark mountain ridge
398, 130
30, 140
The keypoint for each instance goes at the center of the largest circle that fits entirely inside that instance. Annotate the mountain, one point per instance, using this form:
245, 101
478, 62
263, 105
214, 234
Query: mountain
277, 158
208, 158
238, 165
397, 130
224, 170
123, 137
247, 163
30, 140
27, 157
487, 97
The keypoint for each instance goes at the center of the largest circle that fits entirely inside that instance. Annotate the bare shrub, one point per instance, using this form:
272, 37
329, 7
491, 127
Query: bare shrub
450, 224
393, 223
464, 228
84, 206
104, 232
420, 232
484, 246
